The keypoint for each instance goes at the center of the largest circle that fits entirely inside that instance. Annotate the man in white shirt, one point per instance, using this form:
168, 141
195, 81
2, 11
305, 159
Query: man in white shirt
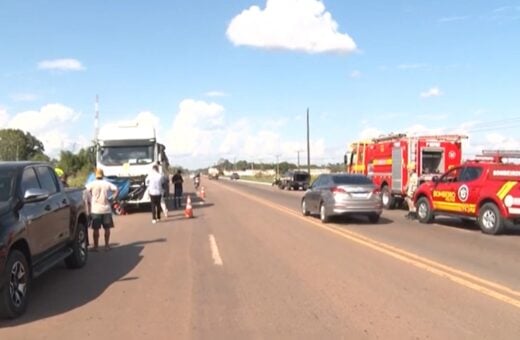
154, 182
413, 182
99, 192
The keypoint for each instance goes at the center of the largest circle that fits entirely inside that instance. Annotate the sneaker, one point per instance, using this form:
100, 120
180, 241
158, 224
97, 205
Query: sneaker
166, 214
154, 221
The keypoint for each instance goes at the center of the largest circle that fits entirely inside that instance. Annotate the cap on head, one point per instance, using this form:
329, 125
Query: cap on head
99, 173
411, 166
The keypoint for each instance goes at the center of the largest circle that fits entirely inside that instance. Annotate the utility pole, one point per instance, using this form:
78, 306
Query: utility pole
277, 166
308, 145
298, 152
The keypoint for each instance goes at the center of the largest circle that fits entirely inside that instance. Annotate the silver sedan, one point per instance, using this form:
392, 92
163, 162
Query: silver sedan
342, 194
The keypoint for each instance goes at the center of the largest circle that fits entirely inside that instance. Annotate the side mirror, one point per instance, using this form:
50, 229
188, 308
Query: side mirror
35, 195
435, 179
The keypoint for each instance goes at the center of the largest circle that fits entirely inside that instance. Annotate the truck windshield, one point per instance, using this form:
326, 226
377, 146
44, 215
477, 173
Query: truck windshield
118, 155
6, 185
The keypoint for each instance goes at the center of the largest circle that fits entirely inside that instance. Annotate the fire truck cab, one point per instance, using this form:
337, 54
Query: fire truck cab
487, 190
386, 160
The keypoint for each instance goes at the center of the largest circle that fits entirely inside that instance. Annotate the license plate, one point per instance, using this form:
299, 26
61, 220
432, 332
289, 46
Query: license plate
359, 195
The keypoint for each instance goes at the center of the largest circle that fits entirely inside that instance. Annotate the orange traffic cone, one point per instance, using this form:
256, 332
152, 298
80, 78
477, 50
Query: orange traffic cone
202, 193
188, 212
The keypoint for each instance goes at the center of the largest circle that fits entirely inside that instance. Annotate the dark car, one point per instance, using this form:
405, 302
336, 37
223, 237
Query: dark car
342, 194
234, 176
41, 224
294, 180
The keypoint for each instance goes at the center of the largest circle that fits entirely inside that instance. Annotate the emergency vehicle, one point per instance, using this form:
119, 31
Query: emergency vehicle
385, 160
487, 190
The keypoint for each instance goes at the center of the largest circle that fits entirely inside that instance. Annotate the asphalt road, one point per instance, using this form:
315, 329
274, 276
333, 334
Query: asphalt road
250, 266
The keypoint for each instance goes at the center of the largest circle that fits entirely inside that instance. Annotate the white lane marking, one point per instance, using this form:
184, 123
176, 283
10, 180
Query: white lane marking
214, 251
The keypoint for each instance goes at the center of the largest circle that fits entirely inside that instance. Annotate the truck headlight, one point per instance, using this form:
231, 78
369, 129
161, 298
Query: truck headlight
508, 201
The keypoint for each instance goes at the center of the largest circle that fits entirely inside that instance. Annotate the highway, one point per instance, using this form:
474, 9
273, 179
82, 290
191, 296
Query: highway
250, 266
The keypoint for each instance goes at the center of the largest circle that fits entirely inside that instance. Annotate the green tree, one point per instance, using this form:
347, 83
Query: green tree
18, 145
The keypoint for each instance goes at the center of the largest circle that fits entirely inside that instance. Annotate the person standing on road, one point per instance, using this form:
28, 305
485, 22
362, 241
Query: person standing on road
413, 182
177, 190
164, 193
99, 192
154, 183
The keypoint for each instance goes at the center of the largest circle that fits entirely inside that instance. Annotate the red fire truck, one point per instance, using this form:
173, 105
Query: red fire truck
385, 159
487, 190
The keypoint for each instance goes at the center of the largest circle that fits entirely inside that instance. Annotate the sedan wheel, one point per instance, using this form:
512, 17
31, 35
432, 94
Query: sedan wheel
324, 217
305, 211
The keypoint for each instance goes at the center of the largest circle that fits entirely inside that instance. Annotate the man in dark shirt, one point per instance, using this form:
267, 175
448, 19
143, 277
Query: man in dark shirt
177, 190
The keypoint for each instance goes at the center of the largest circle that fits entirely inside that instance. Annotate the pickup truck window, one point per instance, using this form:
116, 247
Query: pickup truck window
470, 173
29, 180
6, 185
47, 179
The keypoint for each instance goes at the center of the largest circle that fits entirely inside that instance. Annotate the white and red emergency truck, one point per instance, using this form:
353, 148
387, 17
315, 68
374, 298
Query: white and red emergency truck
487, 190
385, 159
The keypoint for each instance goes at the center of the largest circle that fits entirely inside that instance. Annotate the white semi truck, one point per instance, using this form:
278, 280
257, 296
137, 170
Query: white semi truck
126, 153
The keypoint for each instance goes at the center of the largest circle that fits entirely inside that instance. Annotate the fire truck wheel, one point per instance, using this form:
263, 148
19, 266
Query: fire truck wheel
489, 219
387, 198
324, 217
424, 211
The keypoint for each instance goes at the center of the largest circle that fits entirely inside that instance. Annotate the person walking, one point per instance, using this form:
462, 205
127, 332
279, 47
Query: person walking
99, 192
154, 183
411, 186
177, 181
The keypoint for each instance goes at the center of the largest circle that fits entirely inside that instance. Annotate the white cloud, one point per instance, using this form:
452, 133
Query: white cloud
51, 125
296, 25
412, 66
4, 118
452, 19
355, 74
433, 92
61, 65
216, 94
24, 97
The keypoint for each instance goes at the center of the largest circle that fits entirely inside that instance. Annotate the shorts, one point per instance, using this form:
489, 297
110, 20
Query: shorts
104, 220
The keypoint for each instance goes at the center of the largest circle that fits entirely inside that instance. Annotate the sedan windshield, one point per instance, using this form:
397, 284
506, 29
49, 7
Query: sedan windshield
350, 179
118, 155
6, 184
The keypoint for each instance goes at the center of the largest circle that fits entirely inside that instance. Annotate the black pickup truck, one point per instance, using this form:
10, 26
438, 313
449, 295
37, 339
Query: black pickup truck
41, 224
294, 180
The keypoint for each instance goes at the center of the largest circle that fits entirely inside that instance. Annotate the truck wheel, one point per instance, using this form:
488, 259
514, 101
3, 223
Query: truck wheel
305, 211
387, 198
424, 211
17, 278
324, 217
79, 255
489, 219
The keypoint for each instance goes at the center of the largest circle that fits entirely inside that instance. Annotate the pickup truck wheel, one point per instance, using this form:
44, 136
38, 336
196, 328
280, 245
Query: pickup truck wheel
489, 219
324, 217
305, 211
79, 255
17, 278
387, 198
424, 211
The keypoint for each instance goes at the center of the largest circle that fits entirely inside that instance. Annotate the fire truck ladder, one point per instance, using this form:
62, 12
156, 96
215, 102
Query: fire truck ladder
443, 138
498, 155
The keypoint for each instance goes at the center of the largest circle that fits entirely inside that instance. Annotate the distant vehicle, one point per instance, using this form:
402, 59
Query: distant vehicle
213, 173
485, 190
294, 180
342, 194
41, 224
234, 176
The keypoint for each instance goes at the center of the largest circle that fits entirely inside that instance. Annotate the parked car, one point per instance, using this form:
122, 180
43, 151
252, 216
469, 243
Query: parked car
294, 180
342, 194
234, 176
41, 224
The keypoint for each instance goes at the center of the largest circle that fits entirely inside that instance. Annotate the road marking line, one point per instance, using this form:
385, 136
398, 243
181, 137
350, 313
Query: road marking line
493, 289
214, 251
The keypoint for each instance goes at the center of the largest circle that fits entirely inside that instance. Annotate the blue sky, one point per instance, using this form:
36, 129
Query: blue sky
233, 79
